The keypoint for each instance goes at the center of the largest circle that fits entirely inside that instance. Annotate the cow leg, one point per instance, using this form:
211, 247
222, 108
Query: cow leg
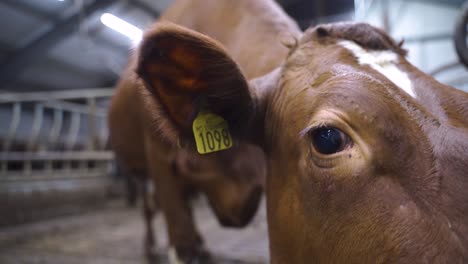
148, 215
131, 185
129, 179
186, 245
136, 181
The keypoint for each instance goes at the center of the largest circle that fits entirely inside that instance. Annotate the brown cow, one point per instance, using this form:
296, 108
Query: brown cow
145, 144
367, 155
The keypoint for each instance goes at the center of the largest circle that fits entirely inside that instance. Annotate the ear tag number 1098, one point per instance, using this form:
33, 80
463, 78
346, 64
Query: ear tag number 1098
211, 133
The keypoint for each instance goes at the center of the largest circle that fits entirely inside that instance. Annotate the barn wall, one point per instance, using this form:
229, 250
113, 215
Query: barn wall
426, 27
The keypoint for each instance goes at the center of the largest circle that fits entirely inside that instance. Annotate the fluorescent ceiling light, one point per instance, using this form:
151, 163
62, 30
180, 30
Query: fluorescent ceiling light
122, 26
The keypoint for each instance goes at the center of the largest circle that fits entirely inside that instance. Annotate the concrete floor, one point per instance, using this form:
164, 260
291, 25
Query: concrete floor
115, 235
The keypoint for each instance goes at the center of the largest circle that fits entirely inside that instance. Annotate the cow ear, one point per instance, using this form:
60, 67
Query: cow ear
185, 72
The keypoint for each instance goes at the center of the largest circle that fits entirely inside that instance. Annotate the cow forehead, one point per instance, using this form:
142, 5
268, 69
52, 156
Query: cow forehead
314, 62
368, 87
368, 45
323, 55
338, 50
383, 61
366, 101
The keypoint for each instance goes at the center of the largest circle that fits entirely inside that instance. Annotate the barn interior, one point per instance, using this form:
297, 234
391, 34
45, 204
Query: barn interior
62, 198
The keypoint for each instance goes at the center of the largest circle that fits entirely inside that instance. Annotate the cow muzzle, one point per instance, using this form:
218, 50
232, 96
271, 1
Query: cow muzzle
245, 213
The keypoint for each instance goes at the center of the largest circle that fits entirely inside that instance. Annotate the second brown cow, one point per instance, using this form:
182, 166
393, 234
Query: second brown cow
232, 179
367, 155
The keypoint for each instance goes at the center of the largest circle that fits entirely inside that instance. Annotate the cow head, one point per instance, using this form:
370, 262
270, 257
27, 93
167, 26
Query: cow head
361, 167
232, 181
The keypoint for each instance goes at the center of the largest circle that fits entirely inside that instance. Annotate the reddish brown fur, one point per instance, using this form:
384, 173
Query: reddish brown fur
148, 123
363, 34
395, 194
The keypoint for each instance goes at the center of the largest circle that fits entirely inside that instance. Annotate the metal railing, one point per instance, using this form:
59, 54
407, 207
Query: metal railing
73, 143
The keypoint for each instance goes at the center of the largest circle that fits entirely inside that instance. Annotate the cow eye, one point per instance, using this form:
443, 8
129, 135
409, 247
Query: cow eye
329, 140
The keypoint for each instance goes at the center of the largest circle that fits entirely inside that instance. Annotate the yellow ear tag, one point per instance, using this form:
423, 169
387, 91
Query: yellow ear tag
211, 133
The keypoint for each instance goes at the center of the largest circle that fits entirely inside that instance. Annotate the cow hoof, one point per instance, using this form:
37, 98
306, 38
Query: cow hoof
151, 254
199, 256
154, 258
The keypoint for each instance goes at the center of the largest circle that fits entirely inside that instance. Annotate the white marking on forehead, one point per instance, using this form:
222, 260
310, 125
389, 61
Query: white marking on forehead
382, 61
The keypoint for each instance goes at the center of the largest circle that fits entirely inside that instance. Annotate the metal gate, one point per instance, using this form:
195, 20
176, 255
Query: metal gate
53, 152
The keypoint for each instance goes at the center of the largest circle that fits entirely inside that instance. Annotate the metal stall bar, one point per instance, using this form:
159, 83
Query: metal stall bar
92, 135
56, 155
54, 136
72, 136
101, 156
92, 122
15, 120
53, 103
56, 95
33, 137
14, 123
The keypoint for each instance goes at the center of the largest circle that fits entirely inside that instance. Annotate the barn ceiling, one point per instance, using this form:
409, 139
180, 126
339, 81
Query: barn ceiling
55, 45
62, 44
